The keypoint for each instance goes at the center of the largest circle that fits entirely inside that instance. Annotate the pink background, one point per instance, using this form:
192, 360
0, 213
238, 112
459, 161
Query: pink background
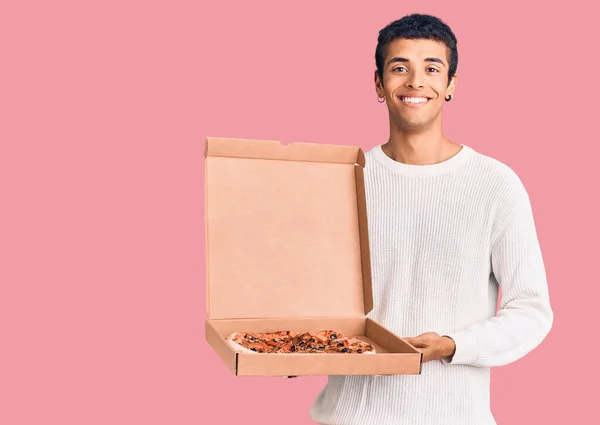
104, 109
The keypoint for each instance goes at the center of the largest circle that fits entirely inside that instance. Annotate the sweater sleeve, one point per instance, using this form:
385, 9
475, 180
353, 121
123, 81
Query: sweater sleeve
525, 316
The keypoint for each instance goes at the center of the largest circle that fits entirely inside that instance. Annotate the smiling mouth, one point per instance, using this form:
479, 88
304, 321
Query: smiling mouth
414, 100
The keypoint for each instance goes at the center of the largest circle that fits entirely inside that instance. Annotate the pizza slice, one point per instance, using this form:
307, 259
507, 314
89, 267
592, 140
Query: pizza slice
326, 341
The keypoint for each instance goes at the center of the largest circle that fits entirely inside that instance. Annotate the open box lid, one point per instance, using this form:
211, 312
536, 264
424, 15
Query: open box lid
286, 230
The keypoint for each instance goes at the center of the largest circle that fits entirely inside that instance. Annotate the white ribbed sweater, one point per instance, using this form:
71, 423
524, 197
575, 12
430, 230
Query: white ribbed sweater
443, 239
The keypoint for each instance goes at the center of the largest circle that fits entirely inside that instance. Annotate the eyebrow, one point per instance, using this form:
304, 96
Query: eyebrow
400, 59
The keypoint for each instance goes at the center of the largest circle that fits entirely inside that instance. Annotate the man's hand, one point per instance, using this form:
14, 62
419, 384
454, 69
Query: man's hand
433, 346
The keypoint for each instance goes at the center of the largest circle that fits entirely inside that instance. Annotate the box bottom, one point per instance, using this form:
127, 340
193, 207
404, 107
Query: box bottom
393, 356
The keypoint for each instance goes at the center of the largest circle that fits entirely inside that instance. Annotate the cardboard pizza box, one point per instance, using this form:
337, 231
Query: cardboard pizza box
287, 248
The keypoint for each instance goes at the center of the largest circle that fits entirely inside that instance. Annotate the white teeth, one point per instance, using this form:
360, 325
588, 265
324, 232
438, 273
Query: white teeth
414, 99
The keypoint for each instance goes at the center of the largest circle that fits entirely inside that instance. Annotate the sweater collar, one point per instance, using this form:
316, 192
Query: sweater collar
448, 165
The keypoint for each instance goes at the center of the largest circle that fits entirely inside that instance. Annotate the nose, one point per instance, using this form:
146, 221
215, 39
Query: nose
415, 81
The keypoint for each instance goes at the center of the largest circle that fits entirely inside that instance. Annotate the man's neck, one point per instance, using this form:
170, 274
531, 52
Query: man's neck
426, 148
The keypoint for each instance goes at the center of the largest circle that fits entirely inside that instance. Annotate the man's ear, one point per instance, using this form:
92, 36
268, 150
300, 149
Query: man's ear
378, 82
452, 86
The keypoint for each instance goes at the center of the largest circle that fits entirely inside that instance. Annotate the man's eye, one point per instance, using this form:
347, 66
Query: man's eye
435, 69
400, 67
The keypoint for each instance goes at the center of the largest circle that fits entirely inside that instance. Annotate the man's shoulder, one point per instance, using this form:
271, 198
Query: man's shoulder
369, 152
500, 185
500, 176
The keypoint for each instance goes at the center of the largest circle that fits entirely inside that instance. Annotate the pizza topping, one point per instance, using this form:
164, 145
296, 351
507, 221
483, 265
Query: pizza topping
326, 341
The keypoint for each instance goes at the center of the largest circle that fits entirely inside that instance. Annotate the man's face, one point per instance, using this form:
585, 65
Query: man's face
413, 70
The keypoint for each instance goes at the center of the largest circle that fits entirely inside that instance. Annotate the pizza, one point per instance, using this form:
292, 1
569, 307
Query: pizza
326, 341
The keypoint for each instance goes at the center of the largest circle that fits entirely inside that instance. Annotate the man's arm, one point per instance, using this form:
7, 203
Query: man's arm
525, 317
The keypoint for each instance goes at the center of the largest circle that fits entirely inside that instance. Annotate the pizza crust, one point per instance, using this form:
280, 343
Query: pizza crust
237, 347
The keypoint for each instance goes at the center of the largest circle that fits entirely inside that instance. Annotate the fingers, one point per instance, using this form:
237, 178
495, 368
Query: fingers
415, 341
423, 340
420, 345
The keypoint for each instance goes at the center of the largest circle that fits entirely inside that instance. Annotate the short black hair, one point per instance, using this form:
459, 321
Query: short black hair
417, 26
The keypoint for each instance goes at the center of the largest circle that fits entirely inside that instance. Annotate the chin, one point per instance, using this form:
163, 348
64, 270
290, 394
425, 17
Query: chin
411, 125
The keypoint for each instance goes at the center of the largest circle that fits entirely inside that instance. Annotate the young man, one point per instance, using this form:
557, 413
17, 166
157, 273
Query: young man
448, 227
